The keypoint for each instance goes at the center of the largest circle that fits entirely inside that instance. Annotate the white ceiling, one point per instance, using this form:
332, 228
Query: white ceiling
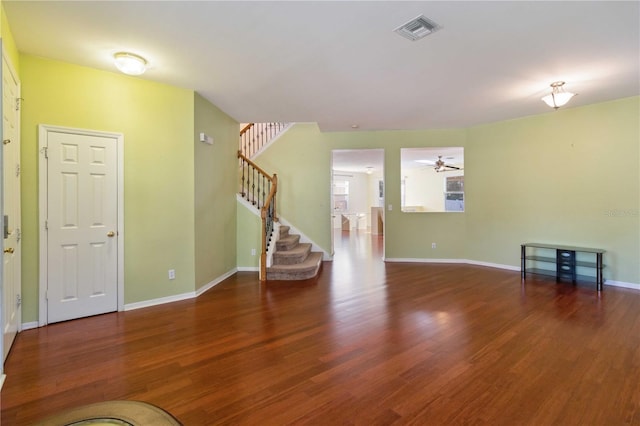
340, 63
358, 160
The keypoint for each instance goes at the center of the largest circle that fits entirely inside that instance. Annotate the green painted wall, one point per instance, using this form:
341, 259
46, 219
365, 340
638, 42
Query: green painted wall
569, 176
8, 44
158, 127
566, 177
302, 160
215, 192
409, 235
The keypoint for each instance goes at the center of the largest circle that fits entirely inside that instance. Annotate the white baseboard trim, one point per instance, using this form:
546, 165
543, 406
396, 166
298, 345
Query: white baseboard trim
422, 260
215, 282
622, 284
178, 297
493, 265
159, 301
465, 261
498, 266
248, 269
272, 141
29, 325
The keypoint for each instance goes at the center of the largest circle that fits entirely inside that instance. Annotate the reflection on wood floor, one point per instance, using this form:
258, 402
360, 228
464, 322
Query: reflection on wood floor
364, 343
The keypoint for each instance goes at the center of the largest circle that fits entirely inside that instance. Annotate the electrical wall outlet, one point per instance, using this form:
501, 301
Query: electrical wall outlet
172, 274
253, 252
433, 245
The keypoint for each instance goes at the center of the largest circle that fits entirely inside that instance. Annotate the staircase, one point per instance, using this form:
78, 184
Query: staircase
292, 259
289, 259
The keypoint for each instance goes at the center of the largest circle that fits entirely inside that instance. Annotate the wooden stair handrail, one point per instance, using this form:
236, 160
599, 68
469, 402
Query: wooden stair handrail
271, 197
267, 222
255, 166
246, 128
255, 136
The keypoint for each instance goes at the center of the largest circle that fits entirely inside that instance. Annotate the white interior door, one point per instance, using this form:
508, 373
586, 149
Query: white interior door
11, 281
81, 225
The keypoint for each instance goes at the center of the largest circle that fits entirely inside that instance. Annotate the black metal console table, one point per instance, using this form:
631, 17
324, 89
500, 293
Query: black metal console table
565, 262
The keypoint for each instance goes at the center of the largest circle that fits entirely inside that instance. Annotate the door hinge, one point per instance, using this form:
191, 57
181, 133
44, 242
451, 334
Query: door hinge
18, 103
18, 235
45, 151
17, 170
18, 300
46, 225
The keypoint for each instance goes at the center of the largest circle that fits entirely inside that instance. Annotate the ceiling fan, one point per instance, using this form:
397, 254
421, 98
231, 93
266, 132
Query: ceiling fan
440, 166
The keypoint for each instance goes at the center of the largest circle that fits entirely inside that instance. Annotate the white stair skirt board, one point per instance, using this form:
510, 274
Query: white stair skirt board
248, 205
305, 239
275, 236
293, 229
272, 141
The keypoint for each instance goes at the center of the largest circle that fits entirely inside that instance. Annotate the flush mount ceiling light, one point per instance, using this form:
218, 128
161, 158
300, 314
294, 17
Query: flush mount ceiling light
130, 63
417, 28
558, 97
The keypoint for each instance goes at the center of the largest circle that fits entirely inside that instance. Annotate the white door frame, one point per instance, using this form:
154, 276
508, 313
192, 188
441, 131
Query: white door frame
5, 58
43, 130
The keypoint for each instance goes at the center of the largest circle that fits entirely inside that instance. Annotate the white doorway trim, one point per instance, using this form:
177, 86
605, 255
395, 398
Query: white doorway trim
43, 130
349, 163
13, 286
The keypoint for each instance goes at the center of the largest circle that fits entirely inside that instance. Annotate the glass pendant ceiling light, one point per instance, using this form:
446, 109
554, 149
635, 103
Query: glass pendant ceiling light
558, 97
130, 63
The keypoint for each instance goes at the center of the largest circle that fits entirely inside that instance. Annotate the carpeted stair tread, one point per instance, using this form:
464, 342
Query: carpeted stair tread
287, 242
295, 255
300, 271
284, 230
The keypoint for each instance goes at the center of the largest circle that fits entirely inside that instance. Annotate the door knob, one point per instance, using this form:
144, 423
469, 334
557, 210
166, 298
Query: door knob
110, 234
9, 250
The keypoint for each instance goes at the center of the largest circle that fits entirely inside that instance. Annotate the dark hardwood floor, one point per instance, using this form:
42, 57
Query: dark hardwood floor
364, 343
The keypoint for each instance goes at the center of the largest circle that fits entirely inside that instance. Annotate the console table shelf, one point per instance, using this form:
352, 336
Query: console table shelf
565, 263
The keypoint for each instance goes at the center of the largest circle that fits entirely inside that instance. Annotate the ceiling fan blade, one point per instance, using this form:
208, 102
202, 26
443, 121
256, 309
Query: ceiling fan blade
427, 162
448, 169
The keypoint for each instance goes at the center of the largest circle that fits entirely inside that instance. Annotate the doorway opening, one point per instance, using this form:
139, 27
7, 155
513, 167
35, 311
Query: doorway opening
357, 203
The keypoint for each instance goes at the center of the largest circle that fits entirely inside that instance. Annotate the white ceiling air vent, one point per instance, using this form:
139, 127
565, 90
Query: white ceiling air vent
417, 28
